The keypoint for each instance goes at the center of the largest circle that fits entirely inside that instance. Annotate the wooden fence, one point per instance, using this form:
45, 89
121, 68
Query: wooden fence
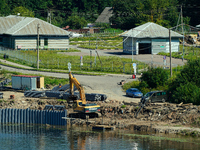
33, 116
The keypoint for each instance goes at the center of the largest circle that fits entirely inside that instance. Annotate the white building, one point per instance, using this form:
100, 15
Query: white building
149, 38
21, 33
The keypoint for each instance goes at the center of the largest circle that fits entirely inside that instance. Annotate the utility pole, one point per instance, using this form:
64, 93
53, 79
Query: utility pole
49, 16
170, 50
132, 45
182, 29
38, 41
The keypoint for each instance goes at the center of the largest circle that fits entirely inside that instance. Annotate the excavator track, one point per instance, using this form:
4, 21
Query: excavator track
84, 115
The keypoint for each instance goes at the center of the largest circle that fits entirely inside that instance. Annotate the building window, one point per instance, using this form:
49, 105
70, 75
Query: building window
45, 42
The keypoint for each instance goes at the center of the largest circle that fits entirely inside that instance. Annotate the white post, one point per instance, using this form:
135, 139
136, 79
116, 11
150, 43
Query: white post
38, 40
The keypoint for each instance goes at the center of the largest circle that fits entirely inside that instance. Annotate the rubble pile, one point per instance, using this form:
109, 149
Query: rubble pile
163, 112
172, 113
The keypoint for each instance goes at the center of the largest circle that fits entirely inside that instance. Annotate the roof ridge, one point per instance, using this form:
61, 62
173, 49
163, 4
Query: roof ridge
144, 28
23, 25
51, 24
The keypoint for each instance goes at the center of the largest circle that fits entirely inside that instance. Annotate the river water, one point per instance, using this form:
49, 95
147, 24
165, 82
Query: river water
33, 137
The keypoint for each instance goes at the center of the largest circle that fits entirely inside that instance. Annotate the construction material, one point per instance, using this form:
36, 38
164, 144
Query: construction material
5, 82
95, 97
54, 94
35, 94
66, 96
32, 116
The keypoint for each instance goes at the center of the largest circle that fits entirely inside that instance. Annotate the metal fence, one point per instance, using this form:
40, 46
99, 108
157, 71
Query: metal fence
89, 64
33, 116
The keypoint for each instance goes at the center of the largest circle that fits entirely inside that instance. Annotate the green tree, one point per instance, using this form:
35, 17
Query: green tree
191, 10
131, 13
186, 86
4, 8
23, 11
154, 77
76, 22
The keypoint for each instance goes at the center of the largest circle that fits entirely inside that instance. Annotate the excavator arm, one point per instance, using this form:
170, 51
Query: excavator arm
73, 81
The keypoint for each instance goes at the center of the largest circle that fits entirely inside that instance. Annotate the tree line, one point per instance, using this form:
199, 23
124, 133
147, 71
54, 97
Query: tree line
126, 14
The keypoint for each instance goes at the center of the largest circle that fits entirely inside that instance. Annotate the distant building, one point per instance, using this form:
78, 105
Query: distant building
150, 38
21, 33
105, 15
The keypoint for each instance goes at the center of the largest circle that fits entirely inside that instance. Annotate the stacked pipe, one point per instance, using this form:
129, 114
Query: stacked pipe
95, 97
35, 94
59, 92
5, 82
55, 94
66, 96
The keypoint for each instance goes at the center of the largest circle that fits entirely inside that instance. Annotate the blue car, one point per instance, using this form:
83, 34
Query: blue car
134, 92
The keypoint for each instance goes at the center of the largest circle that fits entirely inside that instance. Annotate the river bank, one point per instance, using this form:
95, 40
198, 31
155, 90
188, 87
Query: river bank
155, 118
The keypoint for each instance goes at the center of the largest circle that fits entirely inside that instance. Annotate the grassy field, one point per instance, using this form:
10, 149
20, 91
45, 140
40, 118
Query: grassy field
190, 53
105, 40
59, 61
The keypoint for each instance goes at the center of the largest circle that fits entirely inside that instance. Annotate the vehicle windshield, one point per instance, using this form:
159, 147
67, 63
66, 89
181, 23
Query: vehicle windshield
135, 90
148, 94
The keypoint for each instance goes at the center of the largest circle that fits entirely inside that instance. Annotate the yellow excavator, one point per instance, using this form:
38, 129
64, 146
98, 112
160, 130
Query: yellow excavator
80, 106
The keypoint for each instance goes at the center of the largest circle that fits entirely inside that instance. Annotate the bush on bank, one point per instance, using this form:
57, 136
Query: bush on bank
185, 87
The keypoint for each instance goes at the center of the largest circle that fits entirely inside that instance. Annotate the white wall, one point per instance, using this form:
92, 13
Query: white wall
129, 45
31, 43
26, 43
58, 43
158, 45
174, 45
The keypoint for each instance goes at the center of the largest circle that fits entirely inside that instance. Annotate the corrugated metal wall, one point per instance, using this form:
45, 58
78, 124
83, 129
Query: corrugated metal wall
30, 83
127, 46
26, 43
174, 45
32, 116
26, 83
58, 43
16, 82
158, 45
31, 43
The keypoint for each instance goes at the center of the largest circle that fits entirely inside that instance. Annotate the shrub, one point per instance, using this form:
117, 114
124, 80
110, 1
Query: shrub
186, 86
134, 84
154, 77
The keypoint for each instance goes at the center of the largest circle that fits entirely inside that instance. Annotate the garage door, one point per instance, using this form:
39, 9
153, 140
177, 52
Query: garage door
144, 48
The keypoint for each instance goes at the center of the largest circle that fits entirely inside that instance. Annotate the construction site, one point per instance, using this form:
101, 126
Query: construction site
112, 113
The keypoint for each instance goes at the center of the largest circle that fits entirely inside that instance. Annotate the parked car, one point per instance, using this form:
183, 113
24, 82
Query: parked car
73, 34
134, 92
154, 96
